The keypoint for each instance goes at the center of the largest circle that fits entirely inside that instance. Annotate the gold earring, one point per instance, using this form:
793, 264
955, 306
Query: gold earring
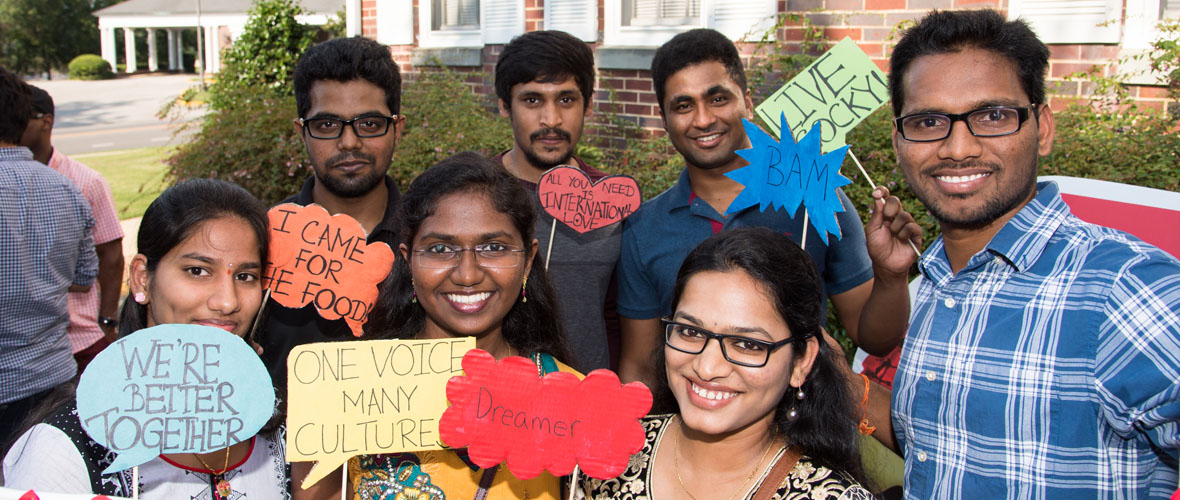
523, 286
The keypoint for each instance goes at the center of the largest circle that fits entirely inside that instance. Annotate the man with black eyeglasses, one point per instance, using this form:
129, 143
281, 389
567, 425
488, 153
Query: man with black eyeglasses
1043, 356
348, 95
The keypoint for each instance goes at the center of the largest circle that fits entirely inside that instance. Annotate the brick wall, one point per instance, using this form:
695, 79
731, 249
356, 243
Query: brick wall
871, 23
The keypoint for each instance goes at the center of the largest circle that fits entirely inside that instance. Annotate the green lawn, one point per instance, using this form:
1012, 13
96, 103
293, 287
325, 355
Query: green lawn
136, 176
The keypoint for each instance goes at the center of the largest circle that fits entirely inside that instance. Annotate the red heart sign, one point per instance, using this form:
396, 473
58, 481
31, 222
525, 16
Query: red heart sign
568, 195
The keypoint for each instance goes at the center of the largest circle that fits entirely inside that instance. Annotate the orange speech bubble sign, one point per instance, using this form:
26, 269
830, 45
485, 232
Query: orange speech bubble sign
325, 260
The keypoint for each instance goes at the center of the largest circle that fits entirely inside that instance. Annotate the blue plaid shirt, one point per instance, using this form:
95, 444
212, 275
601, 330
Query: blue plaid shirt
45, 246
1048, 367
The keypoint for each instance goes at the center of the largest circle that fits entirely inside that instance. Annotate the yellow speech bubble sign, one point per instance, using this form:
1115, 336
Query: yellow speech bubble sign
367, 397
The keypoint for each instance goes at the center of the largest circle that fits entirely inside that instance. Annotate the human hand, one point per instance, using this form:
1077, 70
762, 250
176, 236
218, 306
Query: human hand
892, 235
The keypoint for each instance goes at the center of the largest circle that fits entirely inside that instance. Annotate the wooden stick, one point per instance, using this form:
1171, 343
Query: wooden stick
573, 482
135, 482
344, 482
874, 186
803, 245
549, 251
257, 318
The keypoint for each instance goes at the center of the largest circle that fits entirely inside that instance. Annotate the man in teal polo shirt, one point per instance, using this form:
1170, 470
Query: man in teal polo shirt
701, 88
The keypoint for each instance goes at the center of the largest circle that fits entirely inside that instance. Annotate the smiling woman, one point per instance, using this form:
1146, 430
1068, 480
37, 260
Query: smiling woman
469, 268
750, 389
202, 247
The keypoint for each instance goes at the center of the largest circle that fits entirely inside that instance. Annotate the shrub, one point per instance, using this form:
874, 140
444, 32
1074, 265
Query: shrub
261, 61
90, 67
444, 117
252, 144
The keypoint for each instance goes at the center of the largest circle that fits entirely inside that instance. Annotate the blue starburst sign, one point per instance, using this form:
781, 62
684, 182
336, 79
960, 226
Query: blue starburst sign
784, 174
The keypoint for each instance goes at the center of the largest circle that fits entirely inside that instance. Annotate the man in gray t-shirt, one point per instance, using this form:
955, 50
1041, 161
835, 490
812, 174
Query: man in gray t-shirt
545, 81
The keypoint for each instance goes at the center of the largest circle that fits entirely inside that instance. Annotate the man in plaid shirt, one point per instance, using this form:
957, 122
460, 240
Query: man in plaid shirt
1043, 356
46, 250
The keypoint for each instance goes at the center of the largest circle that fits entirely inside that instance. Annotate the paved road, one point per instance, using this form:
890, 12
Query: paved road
109, 115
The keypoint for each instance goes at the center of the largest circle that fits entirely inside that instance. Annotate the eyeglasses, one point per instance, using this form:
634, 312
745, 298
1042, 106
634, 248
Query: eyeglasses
363, 126
739, 350
492, 255
991, 121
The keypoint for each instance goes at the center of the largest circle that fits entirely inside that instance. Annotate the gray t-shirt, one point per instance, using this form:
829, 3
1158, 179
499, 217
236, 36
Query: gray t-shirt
581, 266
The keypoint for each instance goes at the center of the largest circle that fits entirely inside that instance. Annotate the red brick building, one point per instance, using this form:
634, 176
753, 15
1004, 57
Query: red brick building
624, 33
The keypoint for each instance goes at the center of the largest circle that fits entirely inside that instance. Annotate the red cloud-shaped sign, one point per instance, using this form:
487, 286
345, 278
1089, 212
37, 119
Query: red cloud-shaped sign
322, 259
501, 410
567, 194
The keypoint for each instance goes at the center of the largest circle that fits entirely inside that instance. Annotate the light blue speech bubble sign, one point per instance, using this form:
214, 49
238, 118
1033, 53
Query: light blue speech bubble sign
784, 174
173, 389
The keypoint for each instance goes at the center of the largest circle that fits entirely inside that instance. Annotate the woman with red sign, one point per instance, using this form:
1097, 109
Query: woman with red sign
468, 268
202, 249
758, 408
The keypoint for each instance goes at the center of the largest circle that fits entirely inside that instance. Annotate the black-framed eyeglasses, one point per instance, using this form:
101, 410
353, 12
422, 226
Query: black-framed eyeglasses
992, 121
739, 350
492, 255
363, 126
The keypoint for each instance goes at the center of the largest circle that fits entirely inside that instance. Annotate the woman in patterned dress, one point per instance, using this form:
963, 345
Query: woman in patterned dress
469, 267
750, 388
202, 252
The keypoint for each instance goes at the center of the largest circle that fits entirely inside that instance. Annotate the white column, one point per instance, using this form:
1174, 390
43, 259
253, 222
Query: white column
108, 46
179, 49
211, 49
172, 49
153, 63
352, 17
129, 48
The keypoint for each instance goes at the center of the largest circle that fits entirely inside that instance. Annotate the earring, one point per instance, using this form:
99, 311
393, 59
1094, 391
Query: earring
523, 286
413, 293
793, 413
140, 298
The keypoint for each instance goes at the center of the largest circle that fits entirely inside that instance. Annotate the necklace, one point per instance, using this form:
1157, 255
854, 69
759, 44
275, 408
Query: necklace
676, 465
222, 489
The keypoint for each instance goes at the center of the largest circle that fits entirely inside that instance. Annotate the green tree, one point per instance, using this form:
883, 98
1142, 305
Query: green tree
264, 57
43, 35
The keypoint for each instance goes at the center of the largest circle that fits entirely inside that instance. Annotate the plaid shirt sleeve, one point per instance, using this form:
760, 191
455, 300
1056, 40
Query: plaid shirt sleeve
86, 269
1137, 365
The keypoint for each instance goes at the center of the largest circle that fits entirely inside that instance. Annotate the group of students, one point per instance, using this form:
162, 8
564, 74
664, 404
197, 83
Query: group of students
752, 399
202, 246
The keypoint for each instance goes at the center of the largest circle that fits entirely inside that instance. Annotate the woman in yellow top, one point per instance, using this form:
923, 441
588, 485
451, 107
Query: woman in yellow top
469, 267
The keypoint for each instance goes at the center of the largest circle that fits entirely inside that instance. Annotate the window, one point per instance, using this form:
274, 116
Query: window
454, 14
1071, 21
650, 23
1170, 9
469, 23
661, 12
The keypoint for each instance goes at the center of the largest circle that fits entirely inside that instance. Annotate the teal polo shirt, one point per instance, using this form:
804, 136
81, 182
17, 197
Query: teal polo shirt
658, 236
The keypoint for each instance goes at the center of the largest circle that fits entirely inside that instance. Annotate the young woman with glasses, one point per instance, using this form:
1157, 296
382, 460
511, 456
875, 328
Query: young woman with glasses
757, 405
468, 268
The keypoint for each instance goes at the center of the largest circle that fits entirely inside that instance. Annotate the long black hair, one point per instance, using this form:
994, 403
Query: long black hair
528, 327
173, 216
825, 429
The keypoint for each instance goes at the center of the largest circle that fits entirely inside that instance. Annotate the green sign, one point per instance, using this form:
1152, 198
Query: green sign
838, 90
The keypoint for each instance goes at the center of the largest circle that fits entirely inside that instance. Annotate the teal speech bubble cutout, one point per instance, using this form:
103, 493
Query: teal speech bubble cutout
838, 91
173, 389
784, 174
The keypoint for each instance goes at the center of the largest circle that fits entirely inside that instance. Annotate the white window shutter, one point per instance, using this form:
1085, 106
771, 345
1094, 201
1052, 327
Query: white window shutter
576, 17
1071, 21
395, 22
502, 20
736, 18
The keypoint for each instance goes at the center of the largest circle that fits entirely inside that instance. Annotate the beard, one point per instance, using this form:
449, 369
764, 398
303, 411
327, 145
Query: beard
544, 164
1002, 201
353, 186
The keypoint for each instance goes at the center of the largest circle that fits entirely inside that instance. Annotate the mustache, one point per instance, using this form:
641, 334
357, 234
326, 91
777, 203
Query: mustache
954, 165
351, 156
549, 132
